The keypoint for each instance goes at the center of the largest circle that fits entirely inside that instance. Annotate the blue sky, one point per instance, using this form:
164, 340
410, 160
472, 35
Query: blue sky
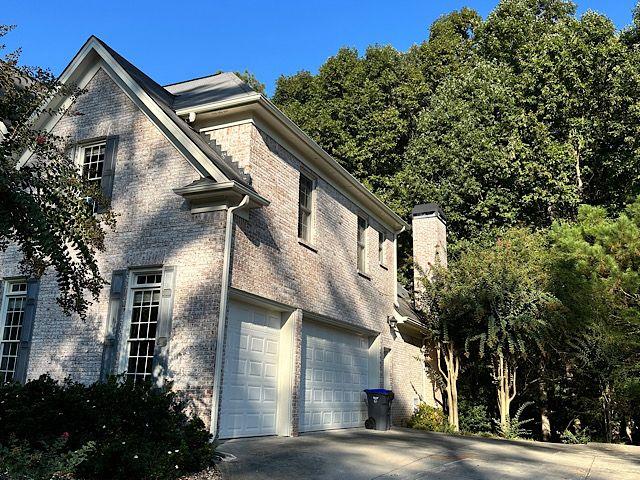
173, 41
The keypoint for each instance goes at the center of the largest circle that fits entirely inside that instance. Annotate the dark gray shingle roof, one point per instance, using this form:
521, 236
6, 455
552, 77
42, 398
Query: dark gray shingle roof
200, 91
405, 305
166, 100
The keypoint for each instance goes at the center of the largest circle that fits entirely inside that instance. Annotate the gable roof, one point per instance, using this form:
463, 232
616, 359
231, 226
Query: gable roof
166, 106
157, 104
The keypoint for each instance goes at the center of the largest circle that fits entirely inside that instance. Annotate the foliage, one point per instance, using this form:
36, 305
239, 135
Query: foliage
124, 431
429, 418
514, 427
598, 273
500, 294
445, 327
44, 212
474, 417
20, 461
579, 437
503, 289
516, 118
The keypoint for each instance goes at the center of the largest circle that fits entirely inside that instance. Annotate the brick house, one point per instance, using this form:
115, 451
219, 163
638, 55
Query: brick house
247, 266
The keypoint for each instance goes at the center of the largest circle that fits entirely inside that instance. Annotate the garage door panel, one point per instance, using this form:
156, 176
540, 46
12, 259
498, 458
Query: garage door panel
335, 366
249, 392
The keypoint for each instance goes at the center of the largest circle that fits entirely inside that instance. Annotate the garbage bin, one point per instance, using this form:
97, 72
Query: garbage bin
379, 406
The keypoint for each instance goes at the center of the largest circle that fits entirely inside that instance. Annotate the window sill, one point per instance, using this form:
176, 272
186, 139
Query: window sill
364, 275
307, 245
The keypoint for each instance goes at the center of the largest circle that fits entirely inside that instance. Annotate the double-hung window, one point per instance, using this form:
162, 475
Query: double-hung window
13, 310
145, 309
305, 208
362, 244
96, 161
93, 162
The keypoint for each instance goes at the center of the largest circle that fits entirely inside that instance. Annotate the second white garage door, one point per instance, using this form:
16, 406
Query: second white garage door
334, 373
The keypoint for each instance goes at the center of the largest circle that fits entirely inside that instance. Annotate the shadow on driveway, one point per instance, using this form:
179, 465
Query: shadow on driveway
402, 454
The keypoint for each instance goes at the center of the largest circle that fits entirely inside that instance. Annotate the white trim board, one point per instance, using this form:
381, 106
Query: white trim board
85, 62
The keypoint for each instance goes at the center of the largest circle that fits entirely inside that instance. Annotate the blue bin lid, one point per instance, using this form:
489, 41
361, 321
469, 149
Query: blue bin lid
382, 391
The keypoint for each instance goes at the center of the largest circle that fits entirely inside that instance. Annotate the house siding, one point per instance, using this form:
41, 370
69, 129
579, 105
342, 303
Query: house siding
154, 228
323, 281
411, 382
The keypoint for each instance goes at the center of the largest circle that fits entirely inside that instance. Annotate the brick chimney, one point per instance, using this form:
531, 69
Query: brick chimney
429, 229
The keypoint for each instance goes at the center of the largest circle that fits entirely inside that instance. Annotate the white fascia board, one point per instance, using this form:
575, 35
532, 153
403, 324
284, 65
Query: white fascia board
207, 107
149, 107
343, 172
350, 183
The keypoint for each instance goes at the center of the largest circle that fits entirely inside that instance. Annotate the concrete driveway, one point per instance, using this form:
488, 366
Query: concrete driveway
402, 454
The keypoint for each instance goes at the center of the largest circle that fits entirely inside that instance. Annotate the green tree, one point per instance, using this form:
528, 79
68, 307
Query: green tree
598, 266
504, 286
43, 208
360, 109
444, 316
518, 118
251, 80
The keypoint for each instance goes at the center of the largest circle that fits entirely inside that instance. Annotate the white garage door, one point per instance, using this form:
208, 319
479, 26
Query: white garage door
335, 371
249, 402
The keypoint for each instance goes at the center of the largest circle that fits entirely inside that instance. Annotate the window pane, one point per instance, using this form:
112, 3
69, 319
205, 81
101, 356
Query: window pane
305, 208
93, 162
142, 335
362, 228
11, 330
381, 239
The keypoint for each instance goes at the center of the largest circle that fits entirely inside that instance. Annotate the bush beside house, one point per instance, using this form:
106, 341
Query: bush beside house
113, 430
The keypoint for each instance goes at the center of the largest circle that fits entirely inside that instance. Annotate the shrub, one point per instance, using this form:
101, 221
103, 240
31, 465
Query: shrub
575, 434
20, 461
575, 438
514, 427
474, 418
121, 430
429, 418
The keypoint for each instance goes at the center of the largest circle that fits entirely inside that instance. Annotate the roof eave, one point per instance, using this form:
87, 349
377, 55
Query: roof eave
203, 192
393, 219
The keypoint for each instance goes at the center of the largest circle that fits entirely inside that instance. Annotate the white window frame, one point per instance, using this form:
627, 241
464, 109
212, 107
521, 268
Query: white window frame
82, 147
382, 248
362, 246
312, 209
131, 288
6, 295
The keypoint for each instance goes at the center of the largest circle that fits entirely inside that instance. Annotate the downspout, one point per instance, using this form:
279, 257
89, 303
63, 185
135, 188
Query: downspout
224, 293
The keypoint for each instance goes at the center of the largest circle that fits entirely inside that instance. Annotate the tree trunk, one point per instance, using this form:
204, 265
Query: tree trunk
506, 389
451, 378
545, 421
606, 408
546, 424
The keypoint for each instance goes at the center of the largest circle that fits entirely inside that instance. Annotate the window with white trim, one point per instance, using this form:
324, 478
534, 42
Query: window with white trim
305, 208
362, 244
381, 253
145, 294
93, 161
13, 307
